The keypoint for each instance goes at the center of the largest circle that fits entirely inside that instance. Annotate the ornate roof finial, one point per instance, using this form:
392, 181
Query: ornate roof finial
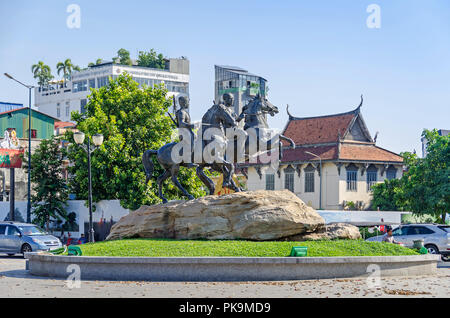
360, 105
376, 137
289, 114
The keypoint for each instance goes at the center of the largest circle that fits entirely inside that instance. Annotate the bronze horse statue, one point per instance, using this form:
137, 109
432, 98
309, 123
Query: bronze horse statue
255, 118
221, 120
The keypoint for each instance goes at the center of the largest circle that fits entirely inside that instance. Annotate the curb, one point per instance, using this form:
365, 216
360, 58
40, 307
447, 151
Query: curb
229, 268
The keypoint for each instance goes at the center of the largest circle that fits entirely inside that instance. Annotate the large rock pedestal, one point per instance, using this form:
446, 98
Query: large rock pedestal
253, 215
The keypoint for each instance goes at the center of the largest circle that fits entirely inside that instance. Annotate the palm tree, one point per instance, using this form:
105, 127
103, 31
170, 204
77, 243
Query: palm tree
42, 72
99, 61
66, 68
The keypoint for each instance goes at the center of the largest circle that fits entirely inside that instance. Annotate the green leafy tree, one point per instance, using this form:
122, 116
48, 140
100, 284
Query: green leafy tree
427, 181
388, 196
132, 120
51, 191
425, 187
151, 59
42, 73
123, 57
67, 67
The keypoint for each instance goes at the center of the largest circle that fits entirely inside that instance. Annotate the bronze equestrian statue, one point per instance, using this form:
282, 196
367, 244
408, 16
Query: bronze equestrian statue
219, 118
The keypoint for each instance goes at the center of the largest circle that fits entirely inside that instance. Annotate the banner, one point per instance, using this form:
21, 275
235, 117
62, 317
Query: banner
10, 158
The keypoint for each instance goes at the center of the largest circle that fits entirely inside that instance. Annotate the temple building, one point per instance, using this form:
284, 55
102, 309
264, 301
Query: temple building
334, 164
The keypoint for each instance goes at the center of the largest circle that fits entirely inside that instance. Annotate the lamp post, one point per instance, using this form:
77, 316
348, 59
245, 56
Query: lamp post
97, 140
321, 172
30, 87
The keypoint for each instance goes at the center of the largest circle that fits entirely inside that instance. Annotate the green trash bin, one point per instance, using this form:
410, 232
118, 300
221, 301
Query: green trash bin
418, 244
74, 251
299, 251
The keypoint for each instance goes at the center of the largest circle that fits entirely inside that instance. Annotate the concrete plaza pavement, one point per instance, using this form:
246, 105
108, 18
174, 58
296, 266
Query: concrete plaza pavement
15, 281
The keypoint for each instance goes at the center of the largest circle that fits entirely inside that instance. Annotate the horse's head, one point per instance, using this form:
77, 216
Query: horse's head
262, 104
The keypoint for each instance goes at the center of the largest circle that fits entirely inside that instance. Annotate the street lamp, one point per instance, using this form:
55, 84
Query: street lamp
30, 87
98, 141
321, 172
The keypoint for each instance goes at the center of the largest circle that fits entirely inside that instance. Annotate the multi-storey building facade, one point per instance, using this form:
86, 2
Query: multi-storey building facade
239, 82
61, 98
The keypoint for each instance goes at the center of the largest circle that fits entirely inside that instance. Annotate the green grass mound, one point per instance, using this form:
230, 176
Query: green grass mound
180, 248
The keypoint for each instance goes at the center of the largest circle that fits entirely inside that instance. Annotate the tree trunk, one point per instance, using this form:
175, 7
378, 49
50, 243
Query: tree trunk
444, 214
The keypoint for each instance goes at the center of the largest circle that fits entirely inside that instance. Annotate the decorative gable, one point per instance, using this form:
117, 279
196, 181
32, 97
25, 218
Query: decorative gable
358, 131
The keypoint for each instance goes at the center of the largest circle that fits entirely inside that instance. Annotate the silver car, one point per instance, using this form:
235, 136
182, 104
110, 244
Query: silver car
436, 237
19, 238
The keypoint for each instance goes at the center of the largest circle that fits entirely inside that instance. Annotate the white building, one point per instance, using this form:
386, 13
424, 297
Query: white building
59, 99
351, 162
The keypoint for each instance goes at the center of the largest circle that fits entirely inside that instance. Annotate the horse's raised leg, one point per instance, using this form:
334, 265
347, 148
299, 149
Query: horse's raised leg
160, 181
174, 171
206, 180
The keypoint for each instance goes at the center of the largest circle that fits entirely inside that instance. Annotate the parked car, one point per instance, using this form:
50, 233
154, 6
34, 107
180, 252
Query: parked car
436, 237
19, 238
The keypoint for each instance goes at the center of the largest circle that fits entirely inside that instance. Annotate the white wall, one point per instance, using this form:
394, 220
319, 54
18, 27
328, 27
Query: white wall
358, 217
361, 194
334, 186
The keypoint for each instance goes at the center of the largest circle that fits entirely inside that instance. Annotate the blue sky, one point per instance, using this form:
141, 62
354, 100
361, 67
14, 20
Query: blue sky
318, 56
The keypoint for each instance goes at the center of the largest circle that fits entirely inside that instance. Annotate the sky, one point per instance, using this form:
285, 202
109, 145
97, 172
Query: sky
318, 56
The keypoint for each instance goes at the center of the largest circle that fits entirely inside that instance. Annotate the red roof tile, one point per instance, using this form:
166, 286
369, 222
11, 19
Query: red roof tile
307, 131
64, 124
367, 153
299, 154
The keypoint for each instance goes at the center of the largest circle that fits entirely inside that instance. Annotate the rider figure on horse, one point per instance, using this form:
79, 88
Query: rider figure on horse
183, 117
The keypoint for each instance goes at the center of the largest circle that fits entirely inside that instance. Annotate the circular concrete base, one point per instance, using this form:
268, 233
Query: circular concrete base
228, 268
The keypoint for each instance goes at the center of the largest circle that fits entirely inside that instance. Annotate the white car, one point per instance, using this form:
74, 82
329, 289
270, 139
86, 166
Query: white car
436, 237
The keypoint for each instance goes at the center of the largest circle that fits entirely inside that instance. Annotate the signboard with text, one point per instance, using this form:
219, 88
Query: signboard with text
11, 158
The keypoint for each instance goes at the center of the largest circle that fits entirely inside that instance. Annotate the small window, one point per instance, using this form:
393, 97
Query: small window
445, 228
289, 181
372, 173
352, 177
352, 180
58, 112
391, 173
418, 230
12, 230
425, 230
289, 178
67, 111
399, 231
2, 229
83, 103
92, 83
33, 133
309, 181
270, 182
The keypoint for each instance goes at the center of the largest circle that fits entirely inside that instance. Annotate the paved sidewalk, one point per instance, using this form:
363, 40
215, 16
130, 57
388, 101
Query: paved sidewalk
15, 281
